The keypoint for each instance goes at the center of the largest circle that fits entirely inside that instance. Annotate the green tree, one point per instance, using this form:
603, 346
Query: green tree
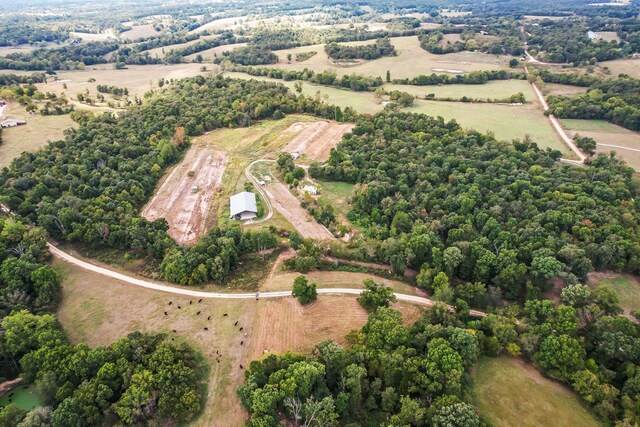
303, 290
375, 295
457, 414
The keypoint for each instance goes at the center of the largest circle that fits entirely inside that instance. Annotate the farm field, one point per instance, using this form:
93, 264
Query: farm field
623, 66
38, 131
139, 32
282, 325
185, 196
210, 54
411, 60
609, 137
491, 90
99, 310
159, 52
506, 122
137, 78
510, 392
627, 288
559, 89
315, 140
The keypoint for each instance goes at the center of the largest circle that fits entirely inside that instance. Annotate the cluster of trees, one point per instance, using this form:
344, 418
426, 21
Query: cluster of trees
113, 90
71, 57
566, 41
391, 375
516, 98
29, 96
88, 188
585, 344
15, 31
441, 199
382, 47
175, 55
355, 82
249, 55
586, 144
615, 100
472, 78
13, 79
469, 40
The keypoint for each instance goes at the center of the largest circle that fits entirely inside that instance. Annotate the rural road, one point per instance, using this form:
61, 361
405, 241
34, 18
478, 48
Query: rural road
201, 294
256, 183
556, 124
619, 146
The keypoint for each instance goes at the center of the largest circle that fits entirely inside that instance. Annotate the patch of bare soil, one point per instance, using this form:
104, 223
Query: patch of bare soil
289, 207
185, 196
316, 139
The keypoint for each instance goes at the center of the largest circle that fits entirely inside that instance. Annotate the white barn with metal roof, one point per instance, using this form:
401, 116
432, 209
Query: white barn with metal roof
243, 206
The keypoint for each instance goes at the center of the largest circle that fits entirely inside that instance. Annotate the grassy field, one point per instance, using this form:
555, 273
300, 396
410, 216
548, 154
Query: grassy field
139, 32
558, 89
210, 54
609, 137
509, 392
411, 60
38, 131
506, 122
492, 90
623, 66
627, 288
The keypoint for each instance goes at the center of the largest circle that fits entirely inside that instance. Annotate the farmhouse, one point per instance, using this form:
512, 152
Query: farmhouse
243, 206
311, 189
11, 123
592, 35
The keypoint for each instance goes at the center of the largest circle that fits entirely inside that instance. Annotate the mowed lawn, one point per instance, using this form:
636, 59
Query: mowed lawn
609, 137
509, 392
410, 61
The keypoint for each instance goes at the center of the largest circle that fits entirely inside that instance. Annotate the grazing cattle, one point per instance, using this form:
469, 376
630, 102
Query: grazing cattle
170, 302
209, 318
241, 342
241, 328
241, 367
225, 315
200, 300
206, 329
236, 324
173, 330
190, 302
166, 314
179, 307
198, 313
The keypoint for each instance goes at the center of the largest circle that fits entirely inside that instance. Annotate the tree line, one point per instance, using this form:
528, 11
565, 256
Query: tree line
381, 47
472, 78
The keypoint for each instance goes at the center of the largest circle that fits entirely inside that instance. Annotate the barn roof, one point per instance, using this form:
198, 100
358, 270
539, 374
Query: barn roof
242, 202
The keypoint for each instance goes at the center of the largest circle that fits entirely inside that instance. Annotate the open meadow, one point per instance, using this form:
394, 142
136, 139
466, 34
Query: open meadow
496, 89
627, 288
609, 137
38, 131
410, 61
510, 392
630, 67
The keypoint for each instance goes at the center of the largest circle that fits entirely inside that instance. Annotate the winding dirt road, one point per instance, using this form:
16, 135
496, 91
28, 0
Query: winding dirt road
201, 294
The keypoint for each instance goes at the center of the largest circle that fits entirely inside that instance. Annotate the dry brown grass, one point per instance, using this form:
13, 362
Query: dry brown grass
139, 31
38, 131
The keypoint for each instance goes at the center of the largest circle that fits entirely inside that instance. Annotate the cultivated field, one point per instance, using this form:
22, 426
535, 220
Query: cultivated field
315, 140
185, 196
609, 137
289, 207
411, 60
627, 288
510, 392
38, 131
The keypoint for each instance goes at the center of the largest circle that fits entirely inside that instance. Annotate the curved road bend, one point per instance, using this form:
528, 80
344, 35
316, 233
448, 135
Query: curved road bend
201, 294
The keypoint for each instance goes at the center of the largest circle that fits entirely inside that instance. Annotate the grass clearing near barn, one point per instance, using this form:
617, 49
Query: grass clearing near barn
510, 392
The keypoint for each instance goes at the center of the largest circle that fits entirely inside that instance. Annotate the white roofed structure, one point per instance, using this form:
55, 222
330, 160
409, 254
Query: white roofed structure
243, 206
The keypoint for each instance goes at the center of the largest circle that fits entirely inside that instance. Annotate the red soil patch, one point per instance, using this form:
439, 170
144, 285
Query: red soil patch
316, 139
289, 207
185, 200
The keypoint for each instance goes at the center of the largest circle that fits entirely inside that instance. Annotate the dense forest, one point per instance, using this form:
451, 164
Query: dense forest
381, 47
616, 100
441, 199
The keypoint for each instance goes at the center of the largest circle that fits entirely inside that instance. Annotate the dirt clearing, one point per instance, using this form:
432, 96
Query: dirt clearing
289, 207
316, 140
185, 196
